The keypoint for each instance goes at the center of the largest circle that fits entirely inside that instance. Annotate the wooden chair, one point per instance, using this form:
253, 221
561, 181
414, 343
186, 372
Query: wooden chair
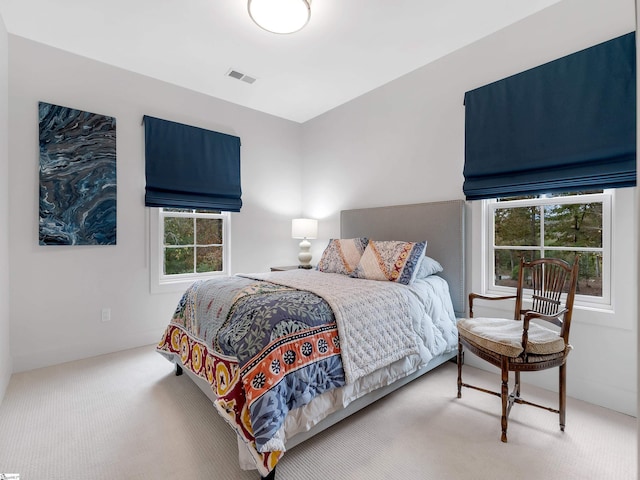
521, 345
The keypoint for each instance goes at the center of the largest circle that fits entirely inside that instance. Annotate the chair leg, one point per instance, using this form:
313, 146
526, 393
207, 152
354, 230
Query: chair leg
516, 390
459, 369
563, 394
505, 399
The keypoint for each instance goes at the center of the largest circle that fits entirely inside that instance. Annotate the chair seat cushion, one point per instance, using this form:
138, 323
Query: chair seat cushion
504, 337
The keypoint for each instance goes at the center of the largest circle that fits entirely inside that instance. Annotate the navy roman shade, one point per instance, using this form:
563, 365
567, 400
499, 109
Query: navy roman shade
567, 125
190, 167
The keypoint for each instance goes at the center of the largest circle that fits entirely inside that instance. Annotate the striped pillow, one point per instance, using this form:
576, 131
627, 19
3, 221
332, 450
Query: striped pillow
342, 255
390, 260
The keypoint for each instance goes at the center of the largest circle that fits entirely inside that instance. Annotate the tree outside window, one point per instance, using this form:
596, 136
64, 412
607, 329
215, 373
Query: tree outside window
558, 226
193, 241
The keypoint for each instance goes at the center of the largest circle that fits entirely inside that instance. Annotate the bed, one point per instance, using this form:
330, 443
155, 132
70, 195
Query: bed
284, 355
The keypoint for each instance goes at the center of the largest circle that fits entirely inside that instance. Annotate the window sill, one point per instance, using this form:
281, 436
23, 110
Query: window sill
179, 285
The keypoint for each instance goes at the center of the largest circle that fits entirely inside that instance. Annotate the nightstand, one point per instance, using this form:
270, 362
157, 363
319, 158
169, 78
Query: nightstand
287, 267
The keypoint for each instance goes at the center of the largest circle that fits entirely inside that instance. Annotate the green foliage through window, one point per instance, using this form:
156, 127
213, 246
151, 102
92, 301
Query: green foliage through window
534, 227
193, 241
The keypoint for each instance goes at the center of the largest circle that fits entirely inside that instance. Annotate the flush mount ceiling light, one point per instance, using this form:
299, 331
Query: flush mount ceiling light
280, 16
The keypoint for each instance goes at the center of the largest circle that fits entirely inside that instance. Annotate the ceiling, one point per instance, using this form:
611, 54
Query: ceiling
348, 48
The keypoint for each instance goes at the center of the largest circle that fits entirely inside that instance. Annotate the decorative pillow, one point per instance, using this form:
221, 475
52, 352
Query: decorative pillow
390, 260
342, 255
428, 267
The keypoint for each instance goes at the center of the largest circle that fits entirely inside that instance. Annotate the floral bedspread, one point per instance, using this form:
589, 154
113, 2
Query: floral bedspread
264, 349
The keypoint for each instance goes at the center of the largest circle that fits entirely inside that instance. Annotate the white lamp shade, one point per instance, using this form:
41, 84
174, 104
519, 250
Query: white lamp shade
304, 228
280, 16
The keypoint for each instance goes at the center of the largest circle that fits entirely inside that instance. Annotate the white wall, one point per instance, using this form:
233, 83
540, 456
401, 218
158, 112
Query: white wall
57, 293
5, 357
404, 143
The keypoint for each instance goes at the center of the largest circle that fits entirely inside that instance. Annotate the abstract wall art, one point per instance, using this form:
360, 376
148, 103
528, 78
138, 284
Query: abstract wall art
77, 177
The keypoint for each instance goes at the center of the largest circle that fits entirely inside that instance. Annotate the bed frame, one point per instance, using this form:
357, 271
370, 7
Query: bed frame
442, 225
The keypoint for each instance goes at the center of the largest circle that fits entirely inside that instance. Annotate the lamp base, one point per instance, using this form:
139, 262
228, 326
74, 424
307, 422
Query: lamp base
306, 267
304, 256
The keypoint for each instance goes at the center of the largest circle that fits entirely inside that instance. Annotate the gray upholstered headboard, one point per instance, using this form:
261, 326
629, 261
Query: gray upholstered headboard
440, 223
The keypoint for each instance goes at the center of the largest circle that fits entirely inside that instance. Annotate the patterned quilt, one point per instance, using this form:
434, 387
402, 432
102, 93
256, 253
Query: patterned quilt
263, 348
267, 344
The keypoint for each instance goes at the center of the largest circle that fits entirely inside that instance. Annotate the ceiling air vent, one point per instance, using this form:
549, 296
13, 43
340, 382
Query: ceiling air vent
240, 76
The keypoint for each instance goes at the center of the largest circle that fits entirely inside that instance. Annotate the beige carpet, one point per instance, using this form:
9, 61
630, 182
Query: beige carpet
126, 416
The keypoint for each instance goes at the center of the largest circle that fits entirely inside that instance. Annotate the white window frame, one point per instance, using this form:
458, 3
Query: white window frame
587, 301
161, 283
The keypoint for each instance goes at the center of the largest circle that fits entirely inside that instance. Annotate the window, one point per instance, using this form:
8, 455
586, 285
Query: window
187, 245
552, 225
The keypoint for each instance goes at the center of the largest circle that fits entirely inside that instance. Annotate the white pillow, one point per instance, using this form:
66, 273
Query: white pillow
427, 267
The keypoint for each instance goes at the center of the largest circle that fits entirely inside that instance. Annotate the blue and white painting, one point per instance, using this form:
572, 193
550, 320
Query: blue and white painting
77, 177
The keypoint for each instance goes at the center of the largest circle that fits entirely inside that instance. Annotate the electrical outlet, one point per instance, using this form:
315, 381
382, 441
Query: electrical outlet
106, 314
